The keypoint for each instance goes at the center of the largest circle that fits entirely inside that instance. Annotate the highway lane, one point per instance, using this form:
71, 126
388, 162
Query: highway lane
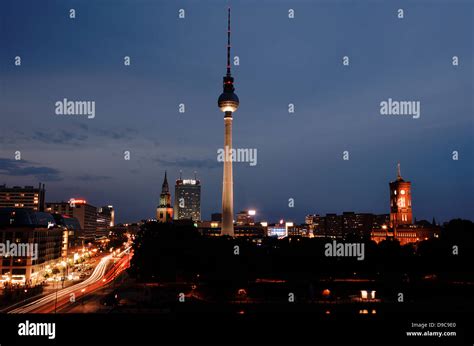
101, 276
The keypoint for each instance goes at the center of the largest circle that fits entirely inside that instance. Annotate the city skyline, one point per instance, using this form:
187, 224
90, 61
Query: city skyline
299, 155
169, 211
140, 198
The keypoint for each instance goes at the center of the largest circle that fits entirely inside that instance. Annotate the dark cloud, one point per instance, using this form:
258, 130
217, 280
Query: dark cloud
71, 136
88, 177
18, 168
190, 163
58, 137
126, 133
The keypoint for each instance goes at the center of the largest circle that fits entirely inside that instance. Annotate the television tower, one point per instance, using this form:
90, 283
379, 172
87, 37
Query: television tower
228, 103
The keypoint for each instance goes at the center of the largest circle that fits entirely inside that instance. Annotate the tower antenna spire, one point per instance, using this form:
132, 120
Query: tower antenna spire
399, 175
228, 41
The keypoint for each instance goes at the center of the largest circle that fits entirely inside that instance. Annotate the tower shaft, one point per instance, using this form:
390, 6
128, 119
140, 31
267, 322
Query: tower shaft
228, 103
228, 180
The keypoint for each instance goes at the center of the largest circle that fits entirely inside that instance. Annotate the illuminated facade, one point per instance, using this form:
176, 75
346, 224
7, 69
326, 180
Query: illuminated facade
228, 103
25, 226
105, 220
164, 211
22, 197
400, 226
405, 234
85, 213
277, 230
400, 202
246, 217
72, 233
108, 214
187, 199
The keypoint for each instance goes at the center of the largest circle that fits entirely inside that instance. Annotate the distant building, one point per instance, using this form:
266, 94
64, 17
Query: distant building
280, 229
309, 219
246, 217
25, 226
250, 231
406, 234
187, 199
164, 211
73, 237
359, 224
349, 222
334, 225
22, 197
340, 226
209, 228
300, 230
400, 226
319, 225
85, 213
107, 213
213, 228
400, 202
105, 220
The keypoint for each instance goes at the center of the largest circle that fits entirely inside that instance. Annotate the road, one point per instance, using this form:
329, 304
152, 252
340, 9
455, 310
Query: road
103, 274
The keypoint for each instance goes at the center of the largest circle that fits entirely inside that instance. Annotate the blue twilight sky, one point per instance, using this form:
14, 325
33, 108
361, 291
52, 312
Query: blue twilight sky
282, 61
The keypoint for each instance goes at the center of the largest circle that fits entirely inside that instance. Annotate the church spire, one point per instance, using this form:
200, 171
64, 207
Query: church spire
165, 187
164, 211
399, 175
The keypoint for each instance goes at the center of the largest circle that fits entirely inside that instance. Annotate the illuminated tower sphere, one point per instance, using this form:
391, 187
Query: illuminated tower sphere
164, 211
400, 202
228, 102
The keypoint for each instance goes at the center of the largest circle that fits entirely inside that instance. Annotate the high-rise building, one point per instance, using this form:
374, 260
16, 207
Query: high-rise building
246, 217
22, 197
107, 215
359, 224
187, 199
72, 233
105, 220
319, 225
228, 103
349, 222
164, 211
334, 225
309, 219
400, 202
85, 213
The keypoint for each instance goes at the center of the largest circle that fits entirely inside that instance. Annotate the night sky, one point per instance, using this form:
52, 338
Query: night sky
282, 61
